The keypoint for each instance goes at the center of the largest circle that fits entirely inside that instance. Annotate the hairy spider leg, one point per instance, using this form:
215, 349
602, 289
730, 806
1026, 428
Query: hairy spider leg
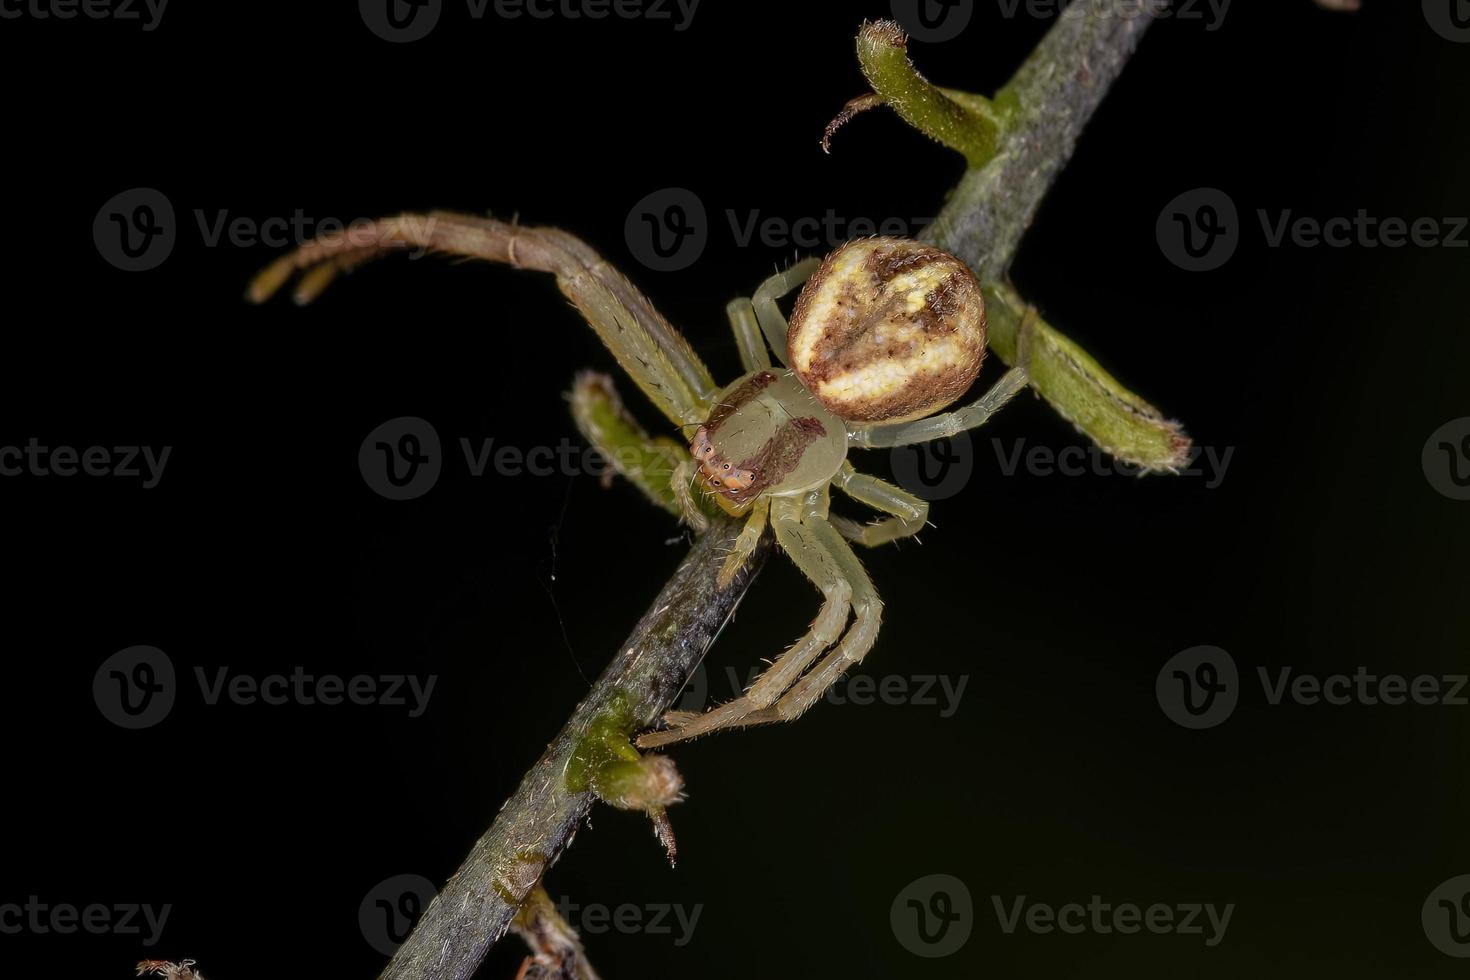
975, 414
772, 320
794, 520
867, 616
753, 353
685, 478
745, 542
647, 347
908, 512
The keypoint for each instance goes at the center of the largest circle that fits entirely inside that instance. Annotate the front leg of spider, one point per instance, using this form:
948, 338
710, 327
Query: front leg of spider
885, 333
646, 346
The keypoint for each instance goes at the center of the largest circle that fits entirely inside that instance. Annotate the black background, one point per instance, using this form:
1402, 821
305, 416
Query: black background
1059, 598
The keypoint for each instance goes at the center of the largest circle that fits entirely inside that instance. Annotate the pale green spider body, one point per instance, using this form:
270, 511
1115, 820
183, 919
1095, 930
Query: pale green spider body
885, 333
734, 446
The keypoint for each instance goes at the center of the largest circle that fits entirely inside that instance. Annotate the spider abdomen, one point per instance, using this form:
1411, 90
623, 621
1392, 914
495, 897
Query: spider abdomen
887, 330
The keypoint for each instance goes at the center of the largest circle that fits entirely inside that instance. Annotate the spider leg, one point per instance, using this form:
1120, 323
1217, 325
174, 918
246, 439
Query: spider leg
772, 320
653, 353
795, 535
745, 542
868, 614
753, 353
975, 414
909, 513
683, 481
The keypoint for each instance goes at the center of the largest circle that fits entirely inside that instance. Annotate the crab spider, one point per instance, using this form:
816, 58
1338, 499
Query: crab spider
884, 334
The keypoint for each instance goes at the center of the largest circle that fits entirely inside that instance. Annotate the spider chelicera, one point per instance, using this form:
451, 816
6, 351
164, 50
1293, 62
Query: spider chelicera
884, 334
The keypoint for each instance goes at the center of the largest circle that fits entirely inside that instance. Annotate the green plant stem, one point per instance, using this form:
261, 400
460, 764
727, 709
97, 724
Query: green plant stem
642, 460
961, 121
1079, 389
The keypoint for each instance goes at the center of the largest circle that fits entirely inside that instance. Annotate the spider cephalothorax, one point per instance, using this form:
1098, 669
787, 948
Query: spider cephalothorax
766, 435
886, 332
